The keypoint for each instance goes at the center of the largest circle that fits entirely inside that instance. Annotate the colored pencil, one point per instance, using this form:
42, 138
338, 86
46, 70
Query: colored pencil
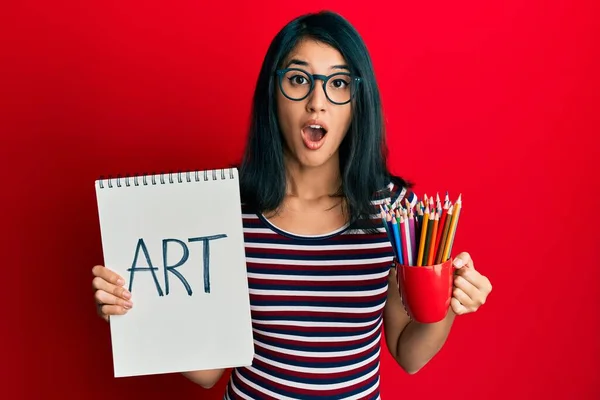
427, 246
390, 230
440, 250
441, 226
431, 251
384, 219
423, 237
419, 219
397, 239
452, 230
421, 234
413, 241
407, 237
403, 240
387, 229
459, 204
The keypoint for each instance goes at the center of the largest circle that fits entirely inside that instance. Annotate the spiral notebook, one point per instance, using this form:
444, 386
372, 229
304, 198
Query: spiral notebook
177, 240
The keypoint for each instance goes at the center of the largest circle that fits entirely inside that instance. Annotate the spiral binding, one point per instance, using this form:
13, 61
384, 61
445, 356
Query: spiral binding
164, 178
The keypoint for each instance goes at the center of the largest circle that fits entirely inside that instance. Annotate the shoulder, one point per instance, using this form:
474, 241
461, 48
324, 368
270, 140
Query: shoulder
247, 208
395, 193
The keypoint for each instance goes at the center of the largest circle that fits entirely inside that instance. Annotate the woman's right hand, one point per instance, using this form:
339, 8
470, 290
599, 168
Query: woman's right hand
110, 295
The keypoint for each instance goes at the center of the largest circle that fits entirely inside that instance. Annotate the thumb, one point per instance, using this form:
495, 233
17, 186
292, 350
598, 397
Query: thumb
462, 260
458, 263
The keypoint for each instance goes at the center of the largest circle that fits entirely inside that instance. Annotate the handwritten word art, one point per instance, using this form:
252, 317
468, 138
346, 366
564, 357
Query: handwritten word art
168, 244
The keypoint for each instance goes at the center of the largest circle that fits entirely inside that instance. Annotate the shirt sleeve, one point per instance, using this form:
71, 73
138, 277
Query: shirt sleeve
399, 195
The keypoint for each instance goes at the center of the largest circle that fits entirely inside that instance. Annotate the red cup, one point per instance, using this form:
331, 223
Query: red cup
426, 291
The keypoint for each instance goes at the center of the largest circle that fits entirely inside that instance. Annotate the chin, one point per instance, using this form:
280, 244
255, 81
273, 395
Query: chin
312, 163
315, 159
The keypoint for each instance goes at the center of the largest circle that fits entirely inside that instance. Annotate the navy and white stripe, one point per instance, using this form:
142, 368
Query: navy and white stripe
317, 310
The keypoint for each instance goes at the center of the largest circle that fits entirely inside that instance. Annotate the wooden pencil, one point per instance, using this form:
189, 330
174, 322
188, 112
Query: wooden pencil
406, 228
459, 202
422, 237
418, 222
427, 246
388, 220
440, 250
441, 226
413, 240
452, 230
397, 240
431, 251
404, 240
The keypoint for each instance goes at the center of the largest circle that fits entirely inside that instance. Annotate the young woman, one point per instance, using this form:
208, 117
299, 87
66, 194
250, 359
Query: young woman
312, 178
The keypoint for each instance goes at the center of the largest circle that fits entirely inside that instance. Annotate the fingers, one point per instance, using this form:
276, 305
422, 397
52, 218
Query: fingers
110, 282
466, 296
470, 287
107, 310
467, 287
110, 295
476, 279
108, 275
103, 297
464, 302
458, 308
463, 260
118, 291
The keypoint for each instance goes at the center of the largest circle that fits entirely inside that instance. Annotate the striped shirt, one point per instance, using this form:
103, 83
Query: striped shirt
317, 310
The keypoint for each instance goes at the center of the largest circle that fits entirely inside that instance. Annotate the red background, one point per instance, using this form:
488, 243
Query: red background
505, 94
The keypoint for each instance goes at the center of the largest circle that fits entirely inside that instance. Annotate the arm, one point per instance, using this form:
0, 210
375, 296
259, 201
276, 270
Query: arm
205, 378
411, 344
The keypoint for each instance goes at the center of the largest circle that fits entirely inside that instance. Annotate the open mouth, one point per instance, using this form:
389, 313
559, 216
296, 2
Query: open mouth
313, 136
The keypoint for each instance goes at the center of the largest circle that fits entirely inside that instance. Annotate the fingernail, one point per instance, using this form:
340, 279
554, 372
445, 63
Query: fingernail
120, 282
126, 294
458, 262
128, 304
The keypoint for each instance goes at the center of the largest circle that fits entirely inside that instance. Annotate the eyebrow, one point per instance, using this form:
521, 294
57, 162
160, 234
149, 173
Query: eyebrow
295, 61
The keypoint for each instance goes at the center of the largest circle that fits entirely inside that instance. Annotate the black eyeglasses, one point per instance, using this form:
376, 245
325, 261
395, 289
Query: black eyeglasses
296, 84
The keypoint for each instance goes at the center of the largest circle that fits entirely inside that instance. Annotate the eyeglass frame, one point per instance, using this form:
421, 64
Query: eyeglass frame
313, 77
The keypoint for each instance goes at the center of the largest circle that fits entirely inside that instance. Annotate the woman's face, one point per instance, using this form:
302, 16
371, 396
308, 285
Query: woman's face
314, 128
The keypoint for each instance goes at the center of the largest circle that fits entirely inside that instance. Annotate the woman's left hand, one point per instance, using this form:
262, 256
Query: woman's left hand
471, 289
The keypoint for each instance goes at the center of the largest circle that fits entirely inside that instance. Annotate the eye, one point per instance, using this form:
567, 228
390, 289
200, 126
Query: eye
298, 80
339, 83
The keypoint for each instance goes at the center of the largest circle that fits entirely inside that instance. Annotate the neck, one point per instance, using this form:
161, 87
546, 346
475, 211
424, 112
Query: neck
311, 183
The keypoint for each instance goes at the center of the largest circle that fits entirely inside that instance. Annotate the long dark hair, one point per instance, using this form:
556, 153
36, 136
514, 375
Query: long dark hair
363, 152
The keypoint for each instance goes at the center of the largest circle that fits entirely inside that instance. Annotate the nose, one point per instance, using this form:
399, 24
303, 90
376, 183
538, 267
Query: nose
317, 99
